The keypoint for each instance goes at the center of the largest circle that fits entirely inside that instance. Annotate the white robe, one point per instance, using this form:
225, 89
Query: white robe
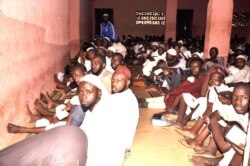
237, 75
125, 106
105, 146
148, 65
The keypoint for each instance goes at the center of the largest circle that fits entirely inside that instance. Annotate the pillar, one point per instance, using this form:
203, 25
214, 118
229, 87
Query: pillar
248, 33
74, 26
219, 26
170, 26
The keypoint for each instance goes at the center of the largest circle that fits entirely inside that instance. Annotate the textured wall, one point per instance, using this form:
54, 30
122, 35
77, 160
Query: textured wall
34, 44
124, 15
242, 6
218, 29
80, 22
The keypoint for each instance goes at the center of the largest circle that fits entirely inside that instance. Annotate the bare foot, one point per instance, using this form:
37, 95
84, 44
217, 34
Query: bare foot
13, 128
191, 142
39, 107
185, 132
51, 103
43, 98
203, 161
206, 154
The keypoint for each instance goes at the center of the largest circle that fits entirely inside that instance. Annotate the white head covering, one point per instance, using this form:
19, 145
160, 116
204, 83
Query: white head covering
240, 47
154, 44
94, 80
105, 15
111, 49
224, 88
162, 46
107, 38
180, 41
172, 52
198, 54
90, 48
242, 57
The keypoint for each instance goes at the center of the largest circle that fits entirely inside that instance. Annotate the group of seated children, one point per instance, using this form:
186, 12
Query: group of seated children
97, 98
200, 90
94, 94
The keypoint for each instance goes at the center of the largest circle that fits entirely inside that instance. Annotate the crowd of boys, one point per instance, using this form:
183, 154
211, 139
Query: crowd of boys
95, 96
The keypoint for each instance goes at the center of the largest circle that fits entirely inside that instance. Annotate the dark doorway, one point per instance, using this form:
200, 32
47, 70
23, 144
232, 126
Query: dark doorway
98, 18
184, 24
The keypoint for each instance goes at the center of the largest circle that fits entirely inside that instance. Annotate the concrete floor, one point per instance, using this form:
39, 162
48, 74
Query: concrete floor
153, 146
156, 146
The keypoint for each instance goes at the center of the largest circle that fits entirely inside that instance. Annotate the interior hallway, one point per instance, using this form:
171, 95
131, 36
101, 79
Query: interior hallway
155, 145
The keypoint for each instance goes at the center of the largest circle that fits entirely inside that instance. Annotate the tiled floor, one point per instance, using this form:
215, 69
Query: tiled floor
156, 146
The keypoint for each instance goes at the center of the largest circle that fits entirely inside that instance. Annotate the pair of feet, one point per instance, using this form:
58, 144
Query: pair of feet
44, 104
190, 141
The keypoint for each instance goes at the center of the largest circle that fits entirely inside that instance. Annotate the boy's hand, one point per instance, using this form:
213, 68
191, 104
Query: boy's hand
166, 71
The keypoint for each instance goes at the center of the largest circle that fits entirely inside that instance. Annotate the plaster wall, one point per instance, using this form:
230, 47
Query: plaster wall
80, 22
124, 15
34, 44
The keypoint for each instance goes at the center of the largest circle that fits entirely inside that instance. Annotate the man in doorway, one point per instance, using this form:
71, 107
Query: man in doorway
107, 28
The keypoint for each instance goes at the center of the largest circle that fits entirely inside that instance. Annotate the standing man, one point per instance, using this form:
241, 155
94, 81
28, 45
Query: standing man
107, 28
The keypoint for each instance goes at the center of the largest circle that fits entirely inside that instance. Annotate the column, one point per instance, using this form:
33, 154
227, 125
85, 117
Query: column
74, 24
219, 26
248, 33
171, 13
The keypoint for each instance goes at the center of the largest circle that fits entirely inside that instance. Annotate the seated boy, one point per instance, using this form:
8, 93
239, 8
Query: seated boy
240, 72
116, 61
203, 106
172, 97
222, 105
240, 102
78, 72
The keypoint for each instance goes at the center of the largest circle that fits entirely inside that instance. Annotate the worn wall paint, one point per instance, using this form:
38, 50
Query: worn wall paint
218, 29
34, 44
80, 22
124, 15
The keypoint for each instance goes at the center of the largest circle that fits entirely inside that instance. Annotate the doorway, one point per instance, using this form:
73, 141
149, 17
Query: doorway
184, 23
98, 18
